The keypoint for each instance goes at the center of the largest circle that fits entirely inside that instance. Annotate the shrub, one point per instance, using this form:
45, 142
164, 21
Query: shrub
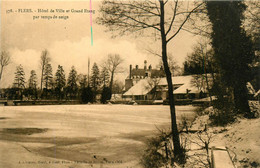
152, 158
106, 95
200, 110
223, 112
159, 152
86, 95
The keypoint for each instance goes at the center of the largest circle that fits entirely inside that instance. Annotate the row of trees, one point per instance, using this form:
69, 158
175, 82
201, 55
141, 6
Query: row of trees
76, 86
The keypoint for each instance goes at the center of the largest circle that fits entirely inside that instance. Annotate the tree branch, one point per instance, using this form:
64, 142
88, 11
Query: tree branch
135, 6
173, 17
143, 23
185, 20
154, 53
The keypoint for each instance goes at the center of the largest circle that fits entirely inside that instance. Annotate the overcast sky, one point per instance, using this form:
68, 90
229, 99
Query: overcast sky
69, 40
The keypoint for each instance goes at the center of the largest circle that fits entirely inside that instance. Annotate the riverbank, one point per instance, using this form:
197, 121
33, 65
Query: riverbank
38, 102
241, 138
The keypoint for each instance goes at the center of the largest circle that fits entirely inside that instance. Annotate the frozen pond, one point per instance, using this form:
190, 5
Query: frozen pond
84, 132
90, 120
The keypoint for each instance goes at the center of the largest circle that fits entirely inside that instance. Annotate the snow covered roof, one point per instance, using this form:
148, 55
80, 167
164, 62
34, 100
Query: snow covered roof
177, 80
144, 86
141, 88
187, 84
186, 87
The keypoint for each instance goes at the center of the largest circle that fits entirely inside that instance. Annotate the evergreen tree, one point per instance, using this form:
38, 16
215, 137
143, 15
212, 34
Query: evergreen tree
232, 47
72, 86
87, 95
60, 81
82, 81
199, 62
105, 95
106, 91
47, 80
104, 77
19, 81
95, 79
33, 80
47, 76
33, 84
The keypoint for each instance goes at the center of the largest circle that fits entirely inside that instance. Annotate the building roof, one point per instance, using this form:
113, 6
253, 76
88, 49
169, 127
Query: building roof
144, 86
177, 80
186, 83
141, 88
187, 87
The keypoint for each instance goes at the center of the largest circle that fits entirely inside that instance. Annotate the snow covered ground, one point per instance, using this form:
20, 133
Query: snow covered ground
242, 138
80, 135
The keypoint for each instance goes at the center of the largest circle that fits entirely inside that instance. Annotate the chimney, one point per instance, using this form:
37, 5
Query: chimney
130, 73
145, 62
150, 67
136, 67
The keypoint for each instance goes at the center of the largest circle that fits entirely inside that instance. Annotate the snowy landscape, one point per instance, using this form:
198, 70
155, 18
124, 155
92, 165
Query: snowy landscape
129, 84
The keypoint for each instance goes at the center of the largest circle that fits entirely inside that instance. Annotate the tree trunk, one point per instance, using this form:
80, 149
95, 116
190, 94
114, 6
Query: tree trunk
111, 81
2, 68
241, 100
41, 80
175, 133
42, 74
207, 81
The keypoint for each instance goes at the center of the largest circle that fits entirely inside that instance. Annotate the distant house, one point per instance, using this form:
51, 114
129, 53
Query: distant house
185, 87
136, 74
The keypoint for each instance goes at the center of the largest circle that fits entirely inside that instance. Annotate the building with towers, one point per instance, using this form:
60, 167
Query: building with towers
136, 74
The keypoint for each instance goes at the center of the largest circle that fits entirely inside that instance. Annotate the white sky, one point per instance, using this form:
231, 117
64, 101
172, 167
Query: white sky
68, 41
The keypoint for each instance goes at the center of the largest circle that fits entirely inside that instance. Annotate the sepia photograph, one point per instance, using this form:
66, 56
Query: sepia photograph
129, 84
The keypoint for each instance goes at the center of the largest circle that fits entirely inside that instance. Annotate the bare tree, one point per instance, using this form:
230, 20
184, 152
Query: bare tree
45, 59
113, 62
202, 139
4, 61
165, 17
173, 65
